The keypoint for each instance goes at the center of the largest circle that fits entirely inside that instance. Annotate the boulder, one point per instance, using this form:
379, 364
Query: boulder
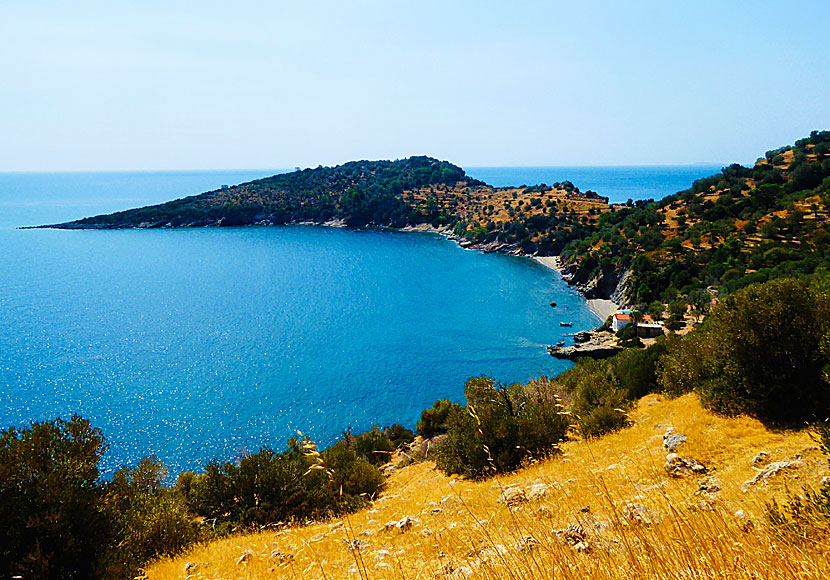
677, 466
512, 496
772, 470
672, 440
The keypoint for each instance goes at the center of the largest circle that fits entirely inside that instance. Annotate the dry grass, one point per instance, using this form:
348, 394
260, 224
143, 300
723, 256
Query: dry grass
611, 511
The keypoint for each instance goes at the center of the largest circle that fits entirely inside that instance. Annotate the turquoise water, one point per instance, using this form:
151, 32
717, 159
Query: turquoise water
207, 343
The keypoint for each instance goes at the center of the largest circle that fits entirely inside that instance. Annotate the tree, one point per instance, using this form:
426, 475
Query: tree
53, 526
759, 352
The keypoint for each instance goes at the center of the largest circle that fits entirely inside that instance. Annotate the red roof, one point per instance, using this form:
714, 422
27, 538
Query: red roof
623, 316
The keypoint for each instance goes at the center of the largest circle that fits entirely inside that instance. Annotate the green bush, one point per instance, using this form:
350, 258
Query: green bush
268, 487
399, 435
500, 428
805, 517
373, 446
53, 521
60, 520
150, 519
597, 400
434, 420
761, 351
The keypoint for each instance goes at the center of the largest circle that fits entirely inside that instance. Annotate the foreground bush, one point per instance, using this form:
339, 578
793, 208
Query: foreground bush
60, 520
500, 428
434, 420
150, 519
600, 391
53, 519
268, 487
762, 352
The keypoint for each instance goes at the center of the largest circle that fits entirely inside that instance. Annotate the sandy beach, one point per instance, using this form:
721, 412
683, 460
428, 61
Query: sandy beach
551, 262
602, 308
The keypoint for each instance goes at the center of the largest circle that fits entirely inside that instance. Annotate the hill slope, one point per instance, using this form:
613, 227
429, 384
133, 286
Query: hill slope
606, 509
729, 230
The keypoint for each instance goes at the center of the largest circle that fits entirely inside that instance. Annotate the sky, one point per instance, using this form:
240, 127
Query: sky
223, 85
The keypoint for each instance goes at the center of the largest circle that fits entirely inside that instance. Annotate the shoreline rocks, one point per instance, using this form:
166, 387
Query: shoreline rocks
591, 344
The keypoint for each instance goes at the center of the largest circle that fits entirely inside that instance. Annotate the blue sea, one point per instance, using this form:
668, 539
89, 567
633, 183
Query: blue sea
209, 343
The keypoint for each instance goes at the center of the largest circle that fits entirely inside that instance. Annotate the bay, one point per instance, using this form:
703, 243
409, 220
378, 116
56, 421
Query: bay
208, 343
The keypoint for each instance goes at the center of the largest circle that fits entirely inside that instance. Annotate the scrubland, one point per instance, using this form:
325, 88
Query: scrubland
604, 508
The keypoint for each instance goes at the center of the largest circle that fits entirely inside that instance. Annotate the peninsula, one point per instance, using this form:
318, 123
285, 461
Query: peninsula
742, 225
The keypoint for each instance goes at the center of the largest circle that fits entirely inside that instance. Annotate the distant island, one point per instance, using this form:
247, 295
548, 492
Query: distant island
729, 230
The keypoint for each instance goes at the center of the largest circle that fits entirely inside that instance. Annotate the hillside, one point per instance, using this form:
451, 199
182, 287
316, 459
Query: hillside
605, 509
729, 230
408, 192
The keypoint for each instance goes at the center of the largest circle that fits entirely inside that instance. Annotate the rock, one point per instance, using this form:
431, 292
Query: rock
707, 485
677, 466
771, 470
637, 513
512, 496
600, 345
672, 440
761, 457
538, 491
245, 557
404, 524
583, 336
281, 557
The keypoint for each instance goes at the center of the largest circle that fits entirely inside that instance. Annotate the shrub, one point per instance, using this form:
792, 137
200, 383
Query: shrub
434, 420
597, 400
399, 435
149, 519
499, 428
805, 517
53, 524
268, 487
373, 446
760, 352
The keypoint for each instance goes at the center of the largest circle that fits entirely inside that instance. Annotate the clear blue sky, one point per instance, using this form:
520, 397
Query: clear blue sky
246, 84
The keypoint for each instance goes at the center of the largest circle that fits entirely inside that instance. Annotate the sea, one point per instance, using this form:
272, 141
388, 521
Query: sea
199, 344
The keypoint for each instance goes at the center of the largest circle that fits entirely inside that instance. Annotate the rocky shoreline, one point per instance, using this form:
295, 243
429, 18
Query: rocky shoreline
596, 344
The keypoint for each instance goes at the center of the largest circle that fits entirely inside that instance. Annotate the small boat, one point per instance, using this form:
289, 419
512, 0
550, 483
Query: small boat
560, 344
569, 324
553, 304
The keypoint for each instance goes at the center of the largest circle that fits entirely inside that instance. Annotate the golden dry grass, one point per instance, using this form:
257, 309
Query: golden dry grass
611, 512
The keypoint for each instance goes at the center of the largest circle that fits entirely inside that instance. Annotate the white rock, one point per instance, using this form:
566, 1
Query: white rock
513, 495
538, 491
